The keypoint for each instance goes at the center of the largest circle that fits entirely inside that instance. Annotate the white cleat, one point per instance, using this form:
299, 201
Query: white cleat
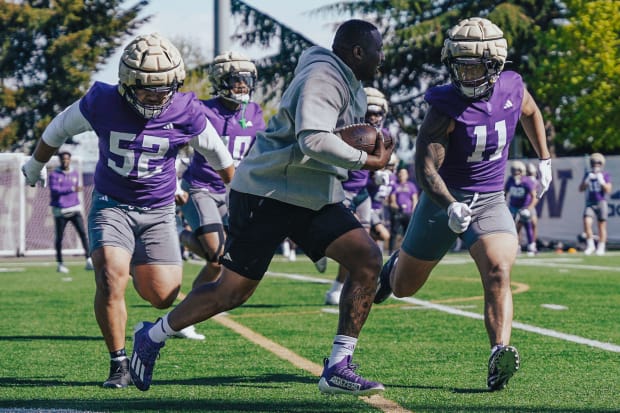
61, 268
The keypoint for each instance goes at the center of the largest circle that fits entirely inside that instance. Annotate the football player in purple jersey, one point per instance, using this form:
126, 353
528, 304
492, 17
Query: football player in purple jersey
596, 184
521, 197
357, 198
402, 202
236, 119
289, 185
461, 154
64, 184
141, 123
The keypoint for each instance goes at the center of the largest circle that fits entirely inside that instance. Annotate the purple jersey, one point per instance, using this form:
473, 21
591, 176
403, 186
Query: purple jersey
63, 186
378, 192
357, 180
137, 155
238, 130
519, 194
404, 193
478, 147
594, 191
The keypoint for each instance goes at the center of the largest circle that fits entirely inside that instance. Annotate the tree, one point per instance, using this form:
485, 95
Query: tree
49, 51
413, 37
578, 77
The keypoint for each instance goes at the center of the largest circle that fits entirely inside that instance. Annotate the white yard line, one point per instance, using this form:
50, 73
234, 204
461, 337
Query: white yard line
455, 311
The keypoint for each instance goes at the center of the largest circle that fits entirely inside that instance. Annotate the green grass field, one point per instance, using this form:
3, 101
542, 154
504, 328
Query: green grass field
430, 351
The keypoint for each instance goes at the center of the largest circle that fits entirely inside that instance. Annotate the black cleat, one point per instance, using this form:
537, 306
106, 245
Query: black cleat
119, 375
384, 290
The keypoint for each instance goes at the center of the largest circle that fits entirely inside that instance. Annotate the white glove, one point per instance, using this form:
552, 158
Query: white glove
35, 172
459, 217
600, 178
544, 169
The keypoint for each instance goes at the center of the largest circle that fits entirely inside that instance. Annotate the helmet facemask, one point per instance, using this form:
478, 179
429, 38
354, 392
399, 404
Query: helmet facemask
474, 77
150, 110
237, 87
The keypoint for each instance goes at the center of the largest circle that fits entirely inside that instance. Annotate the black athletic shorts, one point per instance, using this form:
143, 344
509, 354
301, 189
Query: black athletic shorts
259, 225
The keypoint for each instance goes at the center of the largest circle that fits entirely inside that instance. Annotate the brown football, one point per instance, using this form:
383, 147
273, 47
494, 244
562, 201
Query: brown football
361, 136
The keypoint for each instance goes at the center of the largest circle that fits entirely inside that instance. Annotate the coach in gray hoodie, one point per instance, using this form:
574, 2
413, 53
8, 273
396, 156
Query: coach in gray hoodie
289, 185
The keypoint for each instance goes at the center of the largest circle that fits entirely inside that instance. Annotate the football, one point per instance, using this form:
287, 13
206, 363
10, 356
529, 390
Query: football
361, 136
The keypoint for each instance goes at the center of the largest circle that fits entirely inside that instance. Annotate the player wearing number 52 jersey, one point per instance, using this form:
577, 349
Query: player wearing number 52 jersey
141, 124
461, 154
237, 120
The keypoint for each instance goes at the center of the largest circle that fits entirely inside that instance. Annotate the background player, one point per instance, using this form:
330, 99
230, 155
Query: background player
521, 197
64, 184
596, 184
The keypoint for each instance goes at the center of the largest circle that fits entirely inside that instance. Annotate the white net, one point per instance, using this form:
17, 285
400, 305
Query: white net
26, 220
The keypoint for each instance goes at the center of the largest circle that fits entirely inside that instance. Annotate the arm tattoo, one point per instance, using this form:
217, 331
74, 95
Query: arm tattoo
430, 154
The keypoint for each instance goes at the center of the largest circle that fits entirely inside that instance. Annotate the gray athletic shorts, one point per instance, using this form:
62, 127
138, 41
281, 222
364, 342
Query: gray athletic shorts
428, 236
148, 234
599, 211
205, 208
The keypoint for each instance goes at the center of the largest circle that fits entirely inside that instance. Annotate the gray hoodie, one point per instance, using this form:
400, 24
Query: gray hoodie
298, 159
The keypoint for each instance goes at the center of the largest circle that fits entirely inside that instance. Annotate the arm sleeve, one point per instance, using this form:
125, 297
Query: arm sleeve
330, 149
68, 123
210, 145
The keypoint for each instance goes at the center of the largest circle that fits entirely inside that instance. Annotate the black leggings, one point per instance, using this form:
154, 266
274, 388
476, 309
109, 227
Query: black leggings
60, 223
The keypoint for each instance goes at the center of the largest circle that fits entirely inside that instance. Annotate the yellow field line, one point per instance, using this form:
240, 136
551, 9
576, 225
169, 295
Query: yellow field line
284, 353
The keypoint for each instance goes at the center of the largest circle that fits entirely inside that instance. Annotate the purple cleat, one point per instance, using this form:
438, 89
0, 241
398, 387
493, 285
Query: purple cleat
341, 378
145, 352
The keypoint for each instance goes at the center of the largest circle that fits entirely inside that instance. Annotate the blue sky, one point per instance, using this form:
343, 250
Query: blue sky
193, 20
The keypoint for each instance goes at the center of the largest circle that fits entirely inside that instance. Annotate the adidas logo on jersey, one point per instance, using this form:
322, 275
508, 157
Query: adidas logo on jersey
508, 104
169, 126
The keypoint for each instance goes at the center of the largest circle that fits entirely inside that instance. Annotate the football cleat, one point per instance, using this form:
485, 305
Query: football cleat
384, 290
341, 378
119, 377
145, 353
503, 364
61, 268
89, 264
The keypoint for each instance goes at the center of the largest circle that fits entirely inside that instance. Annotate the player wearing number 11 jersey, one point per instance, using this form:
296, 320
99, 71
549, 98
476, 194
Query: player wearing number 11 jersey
141, 123
461, 154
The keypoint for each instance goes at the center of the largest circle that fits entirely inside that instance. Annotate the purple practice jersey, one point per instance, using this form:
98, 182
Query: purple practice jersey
478, 147
379, 192
519, 194
357, 181
594, 191
136, 163
404, 193
63, 186
238, 130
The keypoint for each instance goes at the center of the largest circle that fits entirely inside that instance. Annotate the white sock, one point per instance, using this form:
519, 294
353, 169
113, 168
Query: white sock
590, 242
343, 346
336, 287
601, 246
161, 330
